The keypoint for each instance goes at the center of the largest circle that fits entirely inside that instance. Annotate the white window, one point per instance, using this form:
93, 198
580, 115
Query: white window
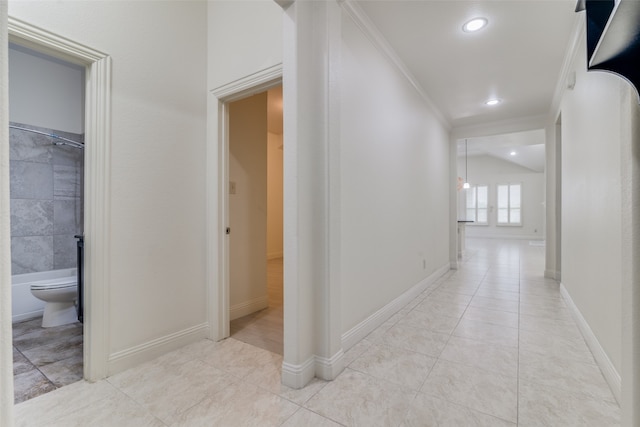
477, 202
509, 204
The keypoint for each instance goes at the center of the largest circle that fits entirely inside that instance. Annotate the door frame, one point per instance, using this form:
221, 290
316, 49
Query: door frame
218, 192
97, 170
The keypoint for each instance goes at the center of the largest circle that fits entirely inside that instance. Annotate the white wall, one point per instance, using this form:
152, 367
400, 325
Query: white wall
244, 37
591, 202
274, 195
491, 171
248, 206
394, 181
45, 92
157, 275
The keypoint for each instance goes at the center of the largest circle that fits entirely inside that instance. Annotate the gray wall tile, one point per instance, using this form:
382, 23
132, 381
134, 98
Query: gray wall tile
46, 201
28, 146
31, 217
31, 180
66, 216
68, 156
65, 253
31, 254
65, 181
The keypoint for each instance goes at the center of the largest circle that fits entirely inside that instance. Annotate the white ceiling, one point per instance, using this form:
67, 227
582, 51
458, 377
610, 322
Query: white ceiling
518, 57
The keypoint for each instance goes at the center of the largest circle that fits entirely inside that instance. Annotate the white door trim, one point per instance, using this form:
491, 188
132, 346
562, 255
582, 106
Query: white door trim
217, 192
97, 207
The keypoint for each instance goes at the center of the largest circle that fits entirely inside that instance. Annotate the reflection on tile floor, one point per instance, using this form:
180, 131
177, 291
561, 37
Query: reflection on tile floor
45, 358
461, 354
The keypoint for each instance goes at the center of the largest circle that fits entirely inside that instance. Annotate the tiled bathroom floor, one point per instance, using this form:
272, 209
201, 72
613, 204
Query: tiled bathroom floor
491, 344
45, 358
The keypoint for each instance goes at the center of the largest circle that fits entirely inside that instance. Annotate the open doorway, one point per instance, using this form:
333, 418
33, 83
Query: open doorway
504, 195
256, 220
47, 112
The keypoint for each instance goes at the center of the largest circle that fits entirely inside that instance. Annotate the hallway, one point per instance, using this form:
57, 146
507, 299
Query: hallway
491, 344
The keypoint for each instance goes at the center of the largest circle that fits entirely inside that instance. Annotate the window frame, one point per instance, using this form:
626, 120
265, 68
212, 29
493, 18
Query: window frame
509, 207
475, 208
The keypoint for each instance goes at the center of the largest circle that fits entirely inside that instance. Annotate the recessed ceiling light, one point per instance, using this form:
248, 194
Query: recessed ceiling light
493, 102
474, 25
513, 153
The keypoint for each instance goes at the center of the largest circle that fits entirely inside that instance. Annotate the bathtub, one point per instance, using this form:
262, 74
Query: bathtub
24, 305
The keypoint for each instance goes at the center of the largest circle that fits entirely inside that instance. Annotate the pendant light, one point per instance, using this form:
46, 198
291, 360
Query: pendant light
466, 176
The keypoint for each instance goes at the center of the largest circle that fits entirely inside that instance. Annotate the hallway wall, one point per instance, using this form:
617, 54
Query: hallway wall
592, 206
156, 292
394, 156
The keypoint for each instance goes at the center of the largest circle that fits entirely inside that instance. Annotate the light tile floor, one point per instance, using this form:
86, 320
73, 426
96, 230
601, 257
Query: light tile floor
491, 344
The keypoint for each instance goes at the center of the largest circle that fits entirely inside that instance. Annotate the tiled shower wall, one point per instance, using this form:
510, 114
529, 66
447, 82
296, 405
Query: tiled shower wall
46, 200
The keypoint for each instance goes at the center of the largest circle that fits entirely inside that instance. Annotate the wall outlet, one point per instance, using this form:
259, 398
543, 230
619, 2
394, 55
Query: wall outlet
232, 187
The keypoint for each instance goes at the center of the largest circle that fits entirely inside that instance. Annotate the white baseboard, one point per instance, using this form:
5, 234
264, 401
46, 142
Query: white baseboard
329, 368
609, 371
364, 328
298, 376
248, 307
136, 355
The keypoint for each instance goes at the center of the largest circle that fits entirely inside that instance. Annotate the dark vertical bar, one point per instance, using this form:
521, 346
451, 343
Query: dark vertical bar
80, 306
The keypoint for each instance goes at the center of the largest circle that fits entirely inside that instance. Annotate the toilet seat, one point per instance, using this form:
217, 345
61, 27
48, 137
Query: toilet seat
54, 284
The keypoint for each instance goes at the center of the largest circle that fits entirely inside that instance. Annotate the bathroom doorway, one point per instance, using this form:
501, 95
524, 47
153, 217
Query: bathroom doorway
47, 110
256, 220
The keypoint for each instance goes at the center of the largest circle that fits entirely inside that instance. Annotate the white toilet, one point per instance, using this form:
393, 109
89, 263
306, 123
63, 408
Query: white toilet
60, 296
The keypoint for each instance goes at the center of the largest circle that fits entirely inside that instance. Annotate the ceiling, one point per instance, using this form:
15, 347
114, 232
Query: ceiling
517, 57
